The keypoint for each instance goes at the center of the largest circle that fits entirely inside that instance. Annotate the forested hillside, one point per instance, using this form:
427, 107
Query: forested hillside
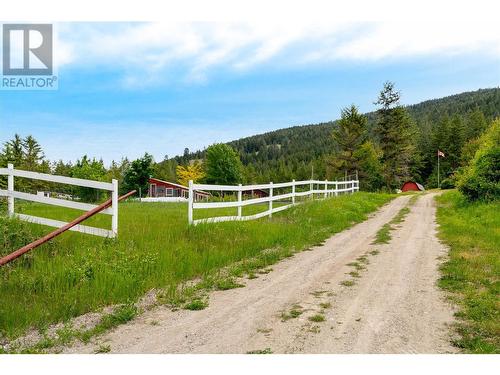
388, 146
447, 123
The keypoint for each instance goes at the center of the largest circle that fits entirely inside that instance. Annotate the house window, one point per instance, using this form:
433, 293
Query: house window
170, 192
160, 191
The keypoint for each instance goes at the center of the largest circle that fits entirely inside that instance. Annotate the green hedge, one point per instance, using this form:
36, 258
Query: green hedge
480, 180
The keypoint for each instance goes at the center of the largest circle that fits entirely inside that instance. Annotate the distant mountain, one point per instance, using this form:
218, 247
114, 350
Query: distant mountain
294, 152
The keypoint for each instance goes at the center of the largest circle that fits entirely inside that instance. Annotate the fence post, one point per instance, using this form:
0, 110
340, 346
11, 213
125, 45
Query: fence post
10, 188
293, 191
336, 188
311, 190
114, 208
190, 203
326, 187
271, 200
239, 200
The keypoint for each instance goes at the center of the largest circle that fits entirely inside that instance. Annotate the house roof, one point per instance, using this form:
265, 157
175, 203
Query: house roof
178, 185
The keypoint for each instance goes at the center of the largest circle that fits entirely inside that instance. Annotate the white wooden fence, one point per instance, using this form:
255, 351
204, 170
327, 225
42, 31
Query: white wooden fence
320, 188
11, 195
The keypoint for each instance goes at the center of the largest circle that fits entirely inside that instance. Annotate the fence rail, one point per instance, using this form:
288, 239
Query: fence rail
321, 188
11, 195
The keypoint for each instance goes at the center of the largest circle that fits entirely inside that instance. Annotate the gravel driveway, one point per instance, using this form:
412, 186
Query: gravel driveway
307, 305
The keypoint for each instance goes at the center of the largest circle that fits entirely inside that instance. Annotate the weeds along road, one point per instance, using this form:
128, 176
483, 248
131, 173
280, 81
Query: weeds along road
345, 296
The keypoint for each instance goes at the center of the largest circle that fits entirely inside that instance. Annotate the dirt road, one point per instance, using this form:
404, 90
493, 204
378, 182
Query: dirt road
393, 307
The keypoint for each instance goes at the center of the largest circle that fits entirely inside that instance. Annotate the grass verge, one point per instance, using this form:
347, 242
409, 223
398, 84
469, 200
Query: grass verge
383, 235
471, 274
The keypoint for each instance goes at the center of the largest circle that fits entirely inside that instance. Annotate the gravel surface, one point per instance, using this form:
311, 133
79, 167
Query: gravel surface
394, 305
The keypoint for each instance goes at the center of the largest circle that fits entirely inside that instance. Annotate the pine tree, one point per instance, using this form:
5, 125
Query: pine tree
32, 154
455, 142
348, 136
13, 150
476, 124
394, 131
89, 169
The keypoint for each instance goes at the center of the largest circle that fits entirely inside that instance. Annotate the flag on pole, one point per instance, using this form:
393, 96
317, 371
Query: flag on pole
440, 153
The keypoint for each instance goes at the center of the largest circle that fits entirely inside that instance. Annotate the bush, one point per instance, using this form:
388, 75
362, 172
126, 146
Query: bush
481, 179
448, 183
13, 235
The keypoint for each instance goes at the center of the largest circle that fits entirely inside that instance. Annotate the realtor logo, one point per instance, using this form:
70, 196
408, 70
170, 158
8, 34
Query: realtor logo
27, 57
27, 49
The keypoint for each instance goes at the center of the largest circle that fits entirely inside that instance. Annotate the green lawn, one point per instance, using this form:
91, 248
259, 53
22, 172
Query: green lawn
472, 273
156, 248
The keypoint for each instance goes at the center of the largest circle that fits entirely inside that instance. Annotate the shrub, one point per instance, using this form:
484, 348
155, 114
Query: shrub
448, 183
13, 234
480, 180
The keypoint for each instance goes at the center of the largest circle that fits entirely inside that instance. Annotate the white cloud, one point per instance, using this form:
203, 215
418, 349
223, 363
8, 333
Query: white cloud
146, 51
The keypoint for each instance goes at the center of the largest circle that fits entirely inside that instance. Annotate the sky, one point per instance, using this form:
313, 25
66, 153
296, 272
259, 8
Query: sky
126, 88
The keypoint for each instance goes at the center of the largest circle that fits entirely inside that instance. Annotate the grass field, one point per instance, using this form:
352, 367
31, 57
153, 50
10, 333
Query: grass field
472, 273
156, 248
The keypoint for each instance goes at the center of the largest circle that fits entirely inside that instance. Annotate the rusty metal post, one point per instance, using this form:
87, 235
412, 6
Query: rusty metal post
58, 231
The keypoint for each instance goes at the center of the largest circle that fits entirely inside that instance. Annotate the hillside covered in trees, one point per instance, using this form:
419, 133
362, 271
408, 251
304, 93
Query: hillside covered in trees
447, 124
385, 147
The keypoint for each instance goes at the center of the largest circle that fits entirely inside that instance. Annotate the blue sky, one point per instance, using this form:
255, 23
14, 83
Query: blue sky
128, 88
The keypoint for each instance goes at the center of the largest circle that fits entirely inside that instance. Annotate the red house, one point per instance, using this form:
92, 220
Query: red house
164, 189
412, 186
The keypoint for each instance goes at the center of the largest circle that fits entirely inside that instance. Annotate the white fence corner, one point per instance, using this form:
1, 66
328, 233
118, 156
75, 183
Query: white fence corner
11, 195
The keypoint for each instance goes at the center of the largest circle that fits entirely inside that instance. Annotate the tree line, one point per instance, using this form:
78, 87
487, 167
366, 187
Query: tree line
386, 147
303, 152
221, 165
397, 149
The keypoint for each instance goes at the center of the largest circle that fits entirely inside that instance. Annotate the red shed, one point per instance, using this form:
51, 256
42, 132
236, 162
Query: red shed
412, 186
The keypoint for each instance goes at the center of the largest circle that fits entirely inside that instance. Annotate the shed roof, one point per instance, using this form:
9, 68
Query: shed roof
420, 186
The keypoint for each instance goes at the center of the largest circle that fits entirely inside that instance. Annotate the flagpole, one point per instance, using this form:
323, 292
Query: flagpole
439, 185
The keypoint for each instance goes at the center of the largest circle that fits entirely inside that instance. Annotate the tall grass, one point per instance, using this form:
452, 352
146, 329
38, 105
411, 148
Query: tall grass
156, 248
472, 273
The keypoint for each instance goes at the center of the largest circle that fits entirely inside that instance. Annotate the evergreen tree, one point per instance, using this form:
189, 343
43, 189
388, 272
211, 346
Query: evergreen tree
32, 154
455, 142
117, 171
370, 168
25, 154
476, 124
394, 132
166, 170
62, 169
14, 151
349, 134
250, 175
89, 169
